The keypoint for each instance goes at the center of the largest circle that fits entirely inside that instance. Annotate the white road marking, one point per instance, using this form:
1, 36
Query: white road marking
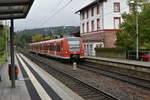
42, 93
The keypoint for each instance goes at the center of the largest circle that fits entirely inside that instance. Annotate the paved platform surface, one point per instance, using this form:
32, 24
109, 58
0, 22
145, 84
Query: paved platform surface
125, 61
6, 92
33, 84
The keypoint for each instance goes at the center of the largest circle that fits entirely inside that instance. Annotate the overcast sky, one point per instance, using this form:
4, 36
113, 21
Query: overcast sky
46, 13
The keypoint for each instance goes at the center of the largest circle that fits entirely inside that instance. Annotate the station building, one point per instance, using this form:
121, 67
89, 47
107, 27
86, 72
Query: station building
99, 22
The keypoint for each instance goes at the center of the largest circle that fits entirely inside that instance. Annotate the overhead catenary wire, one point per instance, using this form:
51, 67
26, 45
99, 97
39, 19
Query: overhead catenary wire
53, 10
54, 14
48, 18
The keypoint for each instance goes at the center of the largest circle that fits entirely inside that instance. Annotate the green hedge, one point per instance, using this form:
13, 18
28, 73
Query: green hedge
119, 53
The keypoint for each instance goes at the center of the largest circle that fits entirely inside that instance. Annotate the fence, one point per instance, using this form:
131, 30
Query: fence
132, 54
119, 53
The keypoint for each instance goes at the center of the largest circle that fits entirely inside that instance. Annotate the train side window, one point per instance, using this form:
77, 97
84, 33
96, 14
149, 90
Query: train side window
55, 47
59, 47
50, 47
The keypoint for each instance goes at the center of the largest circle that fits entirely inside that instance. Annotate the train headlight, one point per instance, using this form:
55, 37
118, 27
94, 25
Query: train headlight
82, 51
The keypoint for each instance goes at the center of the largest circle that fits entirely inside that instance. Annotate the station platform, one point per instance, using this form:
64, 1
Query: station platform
33, 84
123, 61
6, 92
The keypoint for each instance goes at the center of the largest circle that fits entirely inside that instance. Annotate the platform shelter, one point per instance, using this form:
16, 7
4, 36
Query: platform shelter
10, 10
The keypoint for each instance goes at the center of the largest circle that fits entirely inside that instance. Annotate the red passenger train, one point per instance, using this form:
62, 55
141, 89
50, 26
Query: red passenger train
64, 48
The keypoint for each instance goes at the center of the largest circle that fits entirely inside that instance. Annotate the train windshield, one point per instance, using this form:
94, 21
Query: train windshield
74, 44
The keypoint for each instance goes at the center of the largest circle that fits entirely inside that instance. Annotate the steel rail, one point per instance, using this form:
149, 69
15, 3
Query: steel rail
38, 60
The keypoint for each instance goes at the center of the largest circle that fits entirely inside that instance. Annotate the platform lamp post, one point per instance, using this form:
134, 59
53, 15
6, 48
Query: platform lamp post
137, 29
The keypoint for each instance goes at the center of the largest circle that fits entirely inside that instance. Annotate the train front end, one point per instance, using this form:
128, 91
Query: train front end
75, 48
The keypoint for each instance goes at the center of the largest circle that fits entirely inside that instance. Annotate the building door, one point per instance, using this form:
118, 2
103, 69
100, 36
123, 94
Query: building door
91, 49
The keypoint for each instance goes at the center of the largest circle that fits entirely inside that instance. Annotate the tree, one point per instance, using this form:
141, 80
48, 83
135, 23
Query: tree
48, 37
25, 39
145, 26
127, 35
37, 37
3, 38
61, 35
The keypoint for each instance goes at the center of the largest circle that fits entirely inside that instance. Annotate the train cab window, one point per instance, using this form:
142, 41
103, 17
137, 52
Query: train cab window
74, 44
91, 47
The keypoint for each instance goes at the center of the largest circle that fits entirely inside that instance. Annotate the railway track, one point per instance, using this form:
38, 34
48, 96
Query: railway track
137, 81
140, 82
85, 90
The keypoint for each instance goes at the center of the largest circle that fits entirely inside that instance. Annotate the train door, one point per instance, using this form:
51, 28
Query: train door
55, 53
61, 48
48, 44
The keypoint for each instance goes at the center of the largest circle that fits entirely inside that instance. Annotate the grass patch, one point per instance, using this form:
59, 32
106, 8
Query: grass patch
2, 59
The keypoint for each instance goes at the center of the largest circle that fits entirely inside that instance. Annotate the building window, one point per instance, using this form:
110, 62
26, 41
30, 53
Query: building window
97, 9
92, 11
83, 15
85, 46
92, 26
91, 47
83, 28
116, 7
87, 26
98, 24
87, 13
117, 21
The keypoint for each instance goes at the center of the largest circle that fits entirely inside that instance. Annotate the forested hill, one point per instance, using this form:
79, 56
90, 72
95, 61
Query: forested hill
67, 30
